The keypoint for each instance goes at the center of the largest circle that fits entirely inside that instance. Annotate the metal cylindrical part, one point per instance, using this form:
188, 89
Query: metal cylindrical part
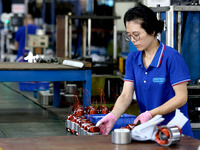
70, 38
179, 34
167, 136
68, 123
70, 88
170, 27
76, 127
72, 125
84, 132
115, 41
159, 18
81, 131
89, 36
121, 136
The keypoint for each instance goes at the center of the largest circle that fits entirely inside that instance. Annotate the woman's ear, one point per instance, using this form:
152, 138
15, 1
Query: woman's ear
154, 33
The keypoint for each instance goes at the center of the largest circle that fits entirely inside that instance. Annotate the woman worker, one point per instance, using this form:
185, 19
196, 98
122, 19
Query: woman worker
156, 72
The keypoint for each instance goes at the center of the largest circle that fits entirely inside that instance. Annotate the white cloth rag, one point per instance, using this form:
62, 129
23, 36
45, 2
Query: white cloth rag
73, 63
178, 120
147, 130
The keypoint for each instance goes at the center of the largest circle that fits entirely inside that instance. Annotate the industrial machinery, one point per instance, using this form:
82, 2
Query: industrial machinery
38, 44
11, 22
194, 103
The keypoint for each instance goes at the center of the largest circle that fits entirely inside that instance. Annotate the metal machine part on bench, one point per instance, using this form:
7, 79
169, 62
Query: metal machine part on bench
45, 97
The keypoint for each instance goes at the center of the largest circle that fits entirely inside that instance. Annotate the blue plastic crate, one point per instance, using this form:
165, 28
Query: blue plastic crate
124, 120
31, 86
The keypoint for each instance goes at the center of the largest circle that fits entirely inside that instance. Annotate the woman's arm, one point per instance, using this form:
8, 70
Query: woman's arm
177, 101
16, 44
124, 100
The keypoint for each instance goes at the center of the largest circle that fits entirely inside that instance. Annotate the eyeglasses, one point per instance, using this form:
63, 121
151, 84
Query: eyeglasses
135, 37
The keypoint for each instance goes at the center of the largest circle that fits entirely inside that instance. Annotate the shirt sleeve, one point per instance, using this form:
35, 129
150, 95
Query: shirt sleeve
178, 70
129, 72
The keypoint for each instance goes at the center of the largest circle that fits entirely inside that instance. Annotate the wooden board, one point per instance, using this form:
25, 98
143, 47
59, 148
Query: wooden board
38, 66
96, 142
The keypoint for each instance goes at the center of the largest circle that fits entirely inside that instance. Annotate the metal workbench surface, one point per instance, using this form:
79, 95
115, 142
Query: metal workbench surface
95, 142
39, 66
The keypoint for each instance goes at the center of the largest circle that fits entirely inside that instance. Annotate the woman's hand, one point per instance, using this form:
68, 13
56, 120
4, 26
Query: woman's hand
143, 117
106, 123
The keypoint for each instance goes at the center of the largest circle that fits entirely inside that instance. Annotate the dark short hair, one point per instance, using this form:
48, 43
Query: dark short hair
149, 22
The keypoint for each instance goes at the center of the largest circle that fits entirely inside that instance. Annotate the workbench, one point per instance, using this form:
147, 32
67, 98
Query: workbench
25, 72
88, 142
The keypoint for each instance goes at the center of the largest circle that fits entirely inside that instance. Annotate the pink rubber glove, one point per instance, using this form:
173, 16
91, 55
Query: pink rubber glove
106, 123
143, 117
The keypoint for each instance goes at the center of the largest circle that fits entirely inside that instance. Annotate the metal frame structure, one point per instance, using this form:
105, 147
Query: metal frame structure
89, 18
170, 22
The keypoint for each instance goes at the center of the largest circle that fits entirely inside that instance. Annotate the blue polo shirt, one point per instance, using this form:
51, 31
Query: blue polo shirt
154, 85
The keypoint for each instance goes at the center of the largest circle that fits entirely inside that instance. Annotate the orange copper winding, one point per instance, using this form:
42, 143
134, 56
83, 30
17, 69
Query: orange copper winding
167, 140
93, 129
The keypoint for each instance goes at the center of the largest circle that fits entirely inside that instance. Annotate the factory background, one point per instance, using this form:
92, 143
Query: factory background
90, 32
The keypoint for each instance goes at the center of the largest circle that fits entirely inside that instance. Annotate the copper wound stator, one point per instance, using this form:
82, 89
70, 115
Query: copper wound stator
167, 136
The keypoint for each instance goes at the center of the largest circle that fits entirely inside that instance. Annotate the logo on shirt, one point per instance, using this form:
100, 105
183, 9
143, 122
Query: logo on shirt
159, 80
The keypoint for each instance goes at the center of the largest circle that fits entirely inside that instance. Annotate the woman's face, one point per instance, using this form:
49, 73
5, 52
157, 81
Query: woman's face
142, 40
